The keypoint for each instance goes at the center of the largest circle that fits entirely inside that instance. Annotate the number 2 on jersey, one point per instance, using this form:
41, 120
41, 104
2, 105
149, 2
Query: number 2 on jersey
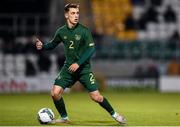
71, 46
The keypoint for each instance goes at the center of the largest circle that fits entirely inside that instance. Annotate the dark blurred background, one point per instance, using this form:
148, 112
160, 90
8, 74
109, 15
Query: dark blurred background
137, 42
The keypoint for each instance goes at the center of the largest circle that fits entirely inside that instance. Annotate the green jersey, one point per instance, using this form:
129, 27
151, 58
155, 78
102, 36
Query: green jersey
78, 43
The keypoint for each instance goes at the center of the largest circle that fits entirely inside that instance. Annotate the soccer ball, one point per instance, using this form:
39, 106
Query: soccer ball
45, 115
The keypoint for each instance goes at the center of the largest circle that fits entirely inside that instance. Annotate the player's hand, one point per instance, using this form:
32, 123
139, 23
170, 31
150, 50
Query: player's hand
39, 44
73, 67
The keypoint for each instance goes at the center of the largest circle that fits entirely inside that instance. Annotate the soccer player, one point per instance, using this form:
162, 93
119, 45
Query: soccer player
79, 47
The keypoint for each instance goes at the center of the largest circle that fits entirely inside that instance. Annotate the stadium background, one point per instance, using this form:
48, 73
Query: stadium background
136, 61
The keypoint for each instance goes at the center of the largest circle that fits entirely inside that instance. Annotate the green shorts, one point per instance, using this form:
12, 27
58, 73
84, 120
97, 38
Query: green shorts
84, 75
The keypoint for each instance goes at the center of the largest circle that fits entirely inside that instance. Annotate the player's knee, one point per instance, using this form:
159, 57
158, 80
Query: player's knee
97, 98
56, 92
55, 95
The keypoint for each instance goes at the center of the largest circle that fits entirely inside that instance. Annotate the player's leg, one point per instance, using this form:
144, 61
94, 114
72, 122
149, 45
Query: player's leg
63, 80
103, 102
89, 82
56, 94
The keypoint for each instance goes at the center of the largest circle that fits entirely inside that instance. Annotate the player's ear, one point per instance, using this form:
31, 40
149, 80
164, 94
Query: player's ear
66, 15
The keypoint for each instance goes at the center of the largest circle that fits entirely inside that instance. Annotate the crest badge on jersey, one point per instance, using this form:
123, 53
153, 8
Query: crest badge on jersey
77, 37
65, 37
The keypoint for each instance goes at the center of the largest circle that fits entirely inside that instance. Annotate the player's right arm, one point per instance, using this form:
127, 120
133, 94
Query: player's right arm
50, 45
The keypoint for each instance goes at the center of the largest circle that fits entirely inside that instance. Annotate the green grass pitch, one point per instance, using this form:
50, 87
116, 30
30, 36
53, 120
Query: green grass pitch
140, 109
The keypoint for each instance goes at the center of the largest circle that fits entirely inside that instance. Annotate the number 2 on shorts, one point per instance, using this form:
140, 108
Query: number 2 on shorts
92, 80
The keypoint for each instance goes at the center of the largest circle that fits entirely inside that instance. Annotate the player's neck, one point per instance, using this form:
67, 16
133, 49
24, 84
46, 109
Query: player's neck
70, 25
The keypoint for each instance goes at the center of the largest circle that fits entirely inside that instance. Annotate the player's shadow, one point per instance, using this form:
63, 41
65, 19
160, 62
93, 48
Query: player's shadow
94, 123
88, 123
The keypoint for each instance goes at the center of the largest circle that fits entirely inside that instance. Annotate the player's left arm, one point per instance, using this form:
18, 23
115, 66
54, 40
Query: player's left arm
90, 49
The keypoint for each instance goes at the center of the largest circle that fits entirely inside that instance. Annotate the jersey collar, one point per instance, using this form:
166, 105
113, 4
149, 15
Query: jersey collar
71, 28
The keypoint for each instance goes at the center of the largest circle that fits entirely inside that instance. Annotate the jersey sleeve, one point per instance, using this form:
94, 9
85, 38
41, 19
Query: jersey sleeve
90, 47
53, 43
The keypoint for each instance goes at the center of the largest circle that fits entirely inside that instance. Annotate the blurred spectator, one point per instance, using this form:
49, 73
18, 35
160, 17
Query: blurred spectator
141, 23
152, 71
174, 41
139, 73
44, 63
19, 48
169, 15
8, 47
151, 14
8, 43
138, 2
98, 39
30, 69
173, 67
130, 23
30, 47
156, 2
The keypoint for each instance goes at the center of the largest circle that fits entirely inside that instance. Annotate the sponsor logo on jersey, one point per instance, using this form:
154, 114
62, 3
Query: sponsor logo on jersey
77, 37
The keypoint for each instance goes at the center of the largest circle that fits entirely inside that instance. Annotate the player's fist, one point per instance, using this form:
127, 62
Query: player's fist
39, 44
73, 67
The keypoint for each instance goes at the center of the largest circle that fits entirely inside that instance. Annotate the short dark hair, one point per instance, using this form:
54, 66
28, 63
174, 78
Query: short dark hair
70, 5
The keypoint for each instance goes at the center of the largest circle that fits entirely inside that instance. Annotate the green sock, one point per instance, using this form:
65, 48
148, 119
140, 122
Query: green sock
60, 106
106, 105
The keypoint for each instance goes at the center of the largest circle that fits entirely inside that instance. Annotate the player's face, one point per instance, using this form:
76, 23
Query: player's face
72, 16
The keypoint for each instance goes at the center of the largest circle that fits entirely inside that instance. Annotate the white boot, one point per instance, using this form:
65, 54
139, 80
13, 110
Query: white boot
120, 119
62, 120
